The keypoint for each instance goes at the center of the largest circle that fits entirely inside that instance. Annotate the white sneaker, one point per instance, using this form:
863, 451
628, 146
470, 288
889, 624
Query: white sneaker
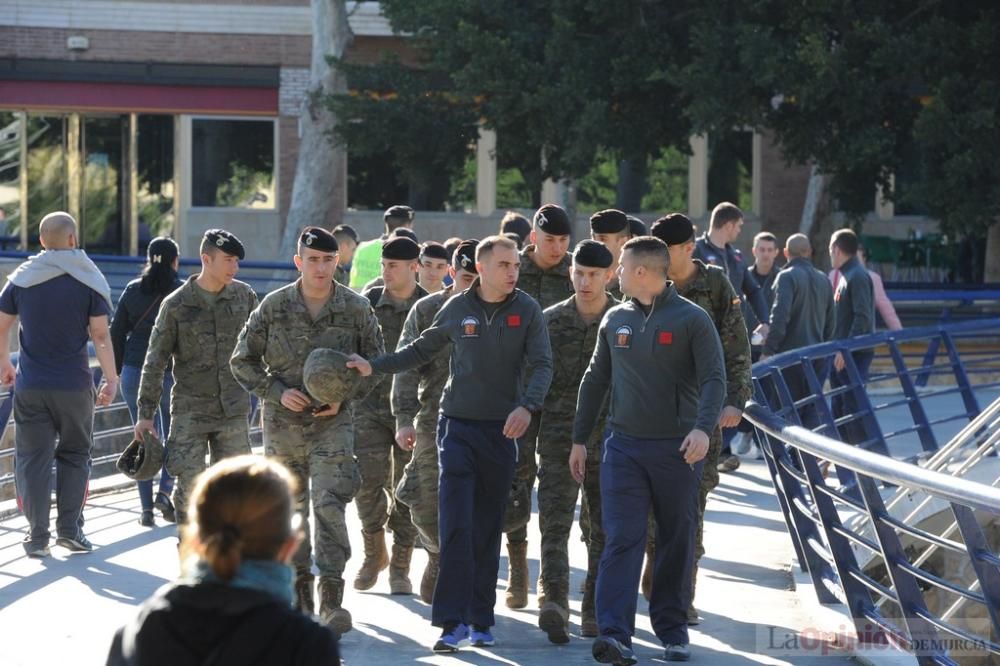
741, 443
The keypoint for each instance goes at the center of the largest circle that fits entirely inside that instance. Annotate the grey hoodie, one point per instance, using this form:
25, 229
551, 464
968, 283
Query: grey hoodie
49, 264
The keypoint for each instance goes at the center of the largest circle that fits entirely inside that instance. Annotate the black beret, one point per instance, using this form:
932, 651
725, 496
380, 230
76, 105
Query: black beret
552, 219
636, 226
401, 248
464, 258
610, 221
514, 237
593, 254
318, 238
673, 229
226, 241
404, 233
401, 212
434, 250
346, 230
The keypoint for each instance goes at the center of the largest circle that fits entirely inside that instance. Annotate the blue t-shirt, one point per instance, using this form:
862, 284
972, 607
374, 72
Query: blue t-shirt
54, 317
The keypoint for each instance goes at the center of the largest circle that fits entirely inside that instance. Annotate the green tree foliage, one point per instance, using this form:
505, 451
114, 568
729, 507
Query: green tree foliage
860, 86
411, 117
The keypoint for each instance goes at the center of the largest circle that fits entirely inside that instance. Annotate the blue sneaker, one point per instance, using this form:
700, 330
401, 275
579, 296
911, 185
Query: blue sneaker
451, 637
481, 636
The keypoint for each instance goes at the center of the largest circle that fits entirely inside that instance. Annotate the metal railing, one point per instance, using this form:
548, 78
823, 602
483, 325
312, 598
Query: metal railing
884, 535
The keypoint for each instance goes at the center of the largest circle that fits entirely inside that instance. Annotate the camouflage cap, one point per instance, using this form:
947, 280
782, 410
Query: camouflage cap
141, 459
327, 378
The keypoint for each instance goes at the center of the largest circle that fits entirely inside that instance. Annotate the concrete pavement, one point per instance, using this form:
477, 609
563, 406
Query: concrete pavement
64, 609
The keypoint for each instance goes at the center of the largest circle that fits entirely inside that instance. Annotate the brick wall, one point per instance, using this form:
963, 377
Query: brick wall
189, 48
783, 194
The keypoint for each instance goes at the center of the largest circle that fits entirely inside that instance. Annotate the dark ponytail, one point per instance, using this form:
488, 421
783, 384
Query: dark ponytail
159, 275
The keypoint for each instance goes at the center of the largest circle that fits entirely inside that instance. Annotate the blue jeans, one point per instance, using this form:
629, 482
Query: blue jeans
130, 391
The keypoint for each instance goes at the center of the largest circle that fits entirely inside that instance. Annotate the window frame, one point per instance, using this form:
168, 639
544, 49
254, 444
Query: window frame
275, 171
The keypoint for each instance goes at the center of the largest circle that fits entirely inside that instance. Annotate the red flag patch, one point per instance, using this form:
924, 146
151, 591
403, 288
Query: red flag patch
513, 321
665, 338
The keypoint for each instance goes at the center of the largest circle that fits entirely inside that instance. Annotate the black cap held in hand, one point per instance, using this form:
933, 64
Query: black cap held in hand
673, 229
400, 248
318, 238
464, 258
610, 221
226, 241
552, 219
592, 254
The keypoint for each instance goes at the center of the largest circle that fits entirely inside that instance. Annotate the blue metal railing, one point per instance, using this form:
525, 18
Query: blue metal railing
832, 522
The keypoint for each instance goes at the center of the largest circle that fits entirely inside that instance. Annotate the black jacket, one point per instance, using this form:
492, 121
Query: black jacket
130, 329
665, 370
211, 624
488, 355
802, 314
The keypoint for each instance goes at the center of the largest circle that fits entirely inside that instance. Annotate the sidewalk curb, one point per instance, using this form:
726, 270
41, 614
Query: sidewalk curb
836, 619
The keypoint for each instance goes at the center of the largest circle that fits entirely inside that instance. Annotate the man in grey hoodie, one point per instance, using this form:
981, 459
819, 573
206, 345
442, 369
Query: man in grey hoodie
61, 300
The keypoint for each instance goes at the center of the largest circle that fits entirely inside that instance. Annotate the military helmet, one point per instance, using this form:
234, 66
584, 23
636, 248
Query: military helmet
142, 458
327, 378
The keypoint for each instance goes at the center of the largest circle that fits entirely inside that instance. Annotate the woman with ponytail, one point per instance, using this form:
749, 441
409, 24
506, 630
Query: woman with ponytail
131, 327
233, 606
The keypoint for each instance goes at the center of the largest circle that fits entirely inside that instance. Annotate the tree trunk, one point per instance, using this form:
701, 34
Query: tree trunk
319, 193
991, 269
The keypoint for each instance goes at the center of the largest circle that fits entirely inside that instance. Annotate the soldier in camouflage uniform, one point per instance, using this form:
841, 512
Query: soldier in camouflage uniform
573, 327
612, 228
315, 442
196, 330
416, 398
347, 243
709, 288
381, 460
544, 276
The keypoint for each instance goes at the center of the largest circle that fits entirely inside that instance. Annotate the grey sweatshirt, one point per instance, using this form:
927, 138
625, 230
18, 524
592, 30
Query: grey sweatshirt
665, 369
488, 355
854, 301
802, 313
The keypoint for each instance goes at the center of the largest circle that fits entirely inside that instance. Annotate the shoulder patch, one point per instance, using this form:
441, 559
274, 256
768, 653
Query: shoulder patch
623, 337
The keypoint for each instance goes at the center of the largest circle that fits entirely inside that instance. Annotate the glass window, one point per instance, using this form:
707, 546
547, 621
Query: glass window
47, 178
10, 179
103, 183
155, 171
232, 163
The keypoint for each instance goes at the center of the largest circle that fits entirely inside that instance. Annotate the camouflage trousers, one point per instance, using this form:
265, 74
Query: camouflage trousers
557, 494
418, 490
518, 512
190, 438
382, 463
709, 480
321, 457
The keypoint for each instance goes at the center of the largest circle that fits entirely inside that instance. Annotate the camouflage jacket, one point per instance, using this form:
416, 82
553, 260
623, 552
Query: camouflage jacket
573, 341
711, 290
391, 314
342, 276
279, 335
199, 339
416, 394
547, 287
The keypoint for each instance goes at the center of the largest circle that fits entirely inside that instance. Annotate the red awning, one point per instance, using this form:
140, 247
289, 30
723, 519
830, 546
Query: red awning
133, 97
